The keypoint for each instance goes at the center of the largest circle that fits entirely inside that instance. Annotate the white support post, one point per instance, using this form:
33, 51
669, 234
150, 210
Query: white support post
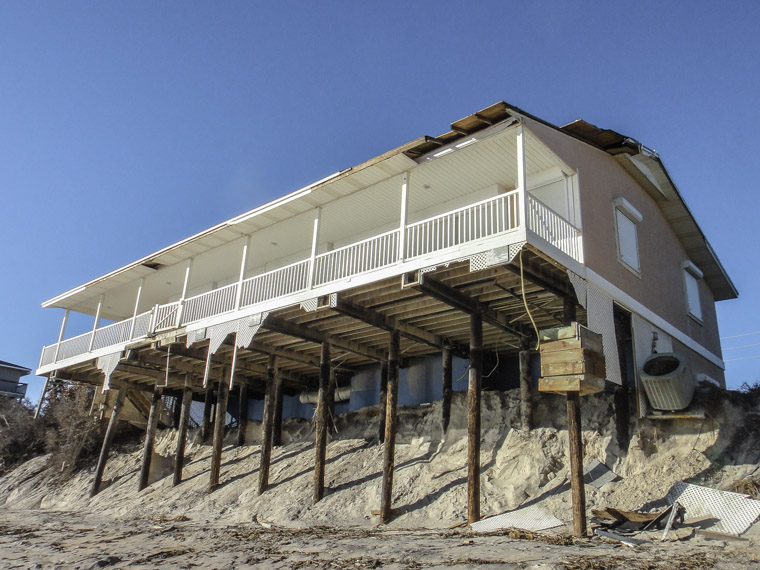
234, 364
185, 284
404, 216
95, 325
60, 334
239, 292
522, 186
134, 313
314, 247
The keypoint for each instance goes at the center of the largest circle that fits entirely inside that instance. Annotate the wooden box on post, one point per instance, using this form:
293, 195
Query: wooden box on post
571, 360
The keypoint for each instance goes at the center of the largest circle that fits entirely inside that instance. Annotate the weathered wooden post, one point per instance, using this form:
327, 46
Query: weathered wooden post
526, 397
321, 427
107, 440
577, 485
331, 401
208, 402
184, 418
277, 421
267, 424
242, 414
150, 436
446, 374
572, 363
219, 423
383, 399
389, 452
473, 418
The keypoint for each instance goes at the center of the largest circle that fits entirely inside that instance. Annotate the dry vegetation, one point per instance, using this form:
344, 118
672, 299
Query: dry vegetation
66, 430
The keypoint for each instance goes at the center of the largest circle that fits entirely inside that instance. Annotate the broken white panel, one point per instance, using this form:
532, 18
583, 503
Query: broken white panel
247, 329
735, 512
195, 336
643, 332
107, 364
528, 518
599, 315
597, 474
218, 333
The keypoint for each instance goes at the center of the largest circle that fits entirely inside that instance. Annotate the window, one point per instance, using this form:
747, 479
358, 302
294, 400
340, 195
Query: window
691, 277
626, 219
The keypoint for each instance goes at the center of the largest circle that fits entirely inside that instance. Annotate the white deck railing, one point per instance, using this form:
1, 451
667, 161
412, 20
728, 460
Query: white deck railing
555, 229
485, 219
276, 283
470, 223
366, 255
209, 304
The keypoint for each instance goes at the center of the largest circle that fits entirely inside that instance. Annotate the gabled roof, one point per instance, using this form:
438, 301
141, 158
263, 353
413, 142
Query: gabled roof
646, 167
4, 364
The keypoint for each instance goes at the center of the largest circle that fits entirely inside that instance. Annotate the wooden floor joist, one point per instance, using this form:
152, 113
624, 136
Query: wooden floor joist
321, 427
107, 440
150, 436
389, 450
184, 419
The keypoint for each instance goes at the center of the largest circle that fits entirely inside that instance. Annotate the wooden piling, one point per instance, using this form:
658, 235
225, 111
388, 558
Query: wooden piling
242, 414
394, 350
219, 422
184, 419
177, 409
331, 387
208, 402
277, 421
150, 436
267, 424
383, 399
321, 424
446, 373
526, 396
576, 462
107, 440
473, 418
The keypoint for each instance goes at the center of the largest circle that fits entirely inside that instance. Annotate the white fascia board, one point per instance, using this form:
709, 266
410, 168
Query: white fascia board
632, 304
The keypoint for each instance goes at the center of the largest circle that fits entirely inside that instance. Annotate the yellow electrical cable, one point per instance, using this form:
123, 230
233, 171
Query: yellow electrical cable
525, 302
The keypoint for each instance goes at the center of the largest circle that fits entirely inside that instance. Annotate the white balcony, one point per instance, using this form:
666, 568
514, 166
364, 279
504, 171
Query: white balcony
458, 207
490, 223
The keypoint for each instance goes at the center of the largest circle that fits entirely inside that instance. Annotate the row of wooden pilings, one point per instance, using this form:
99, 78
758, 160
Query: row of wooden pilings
272, 420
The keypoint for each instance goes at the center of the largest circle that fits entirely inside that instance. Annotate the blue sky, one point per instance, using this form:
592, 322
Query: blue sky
127, 126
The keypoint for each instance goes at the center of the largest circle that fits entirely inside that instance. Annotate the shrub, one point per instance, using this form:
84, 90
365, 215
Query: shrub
73, 435
21, 437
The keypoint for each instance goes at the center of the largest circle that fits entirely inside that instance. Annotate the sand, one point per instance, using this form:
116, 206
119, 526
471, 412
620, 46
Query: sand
56, 524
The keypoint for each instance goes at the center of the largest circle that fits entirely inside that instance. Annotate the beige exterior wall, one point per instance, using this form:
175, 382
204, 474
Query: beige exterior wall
660, 287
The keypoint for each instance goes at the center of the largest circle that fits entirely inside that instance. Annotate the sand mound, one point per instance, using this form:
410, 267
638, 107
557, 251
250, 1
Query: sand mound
430, 477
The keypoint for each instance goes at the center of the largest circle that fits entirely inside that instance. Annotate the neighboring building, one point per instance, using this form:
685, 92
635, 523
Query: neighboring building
503, 212
9, 380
